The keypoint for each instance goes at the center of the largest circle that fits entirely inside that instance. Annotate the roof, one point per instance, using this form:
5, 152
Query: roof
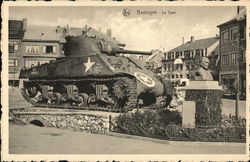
240, 16
43, 33
155, 57
197, 44
93, 32
15, 25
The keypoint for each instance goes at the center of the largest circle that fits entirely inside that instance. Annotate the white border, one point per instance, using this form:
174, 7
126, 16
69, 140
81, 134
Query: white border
104, 157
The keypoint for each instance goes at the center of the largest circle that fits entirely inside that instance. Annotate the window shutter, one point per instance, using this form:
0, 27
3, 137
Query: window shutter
44, 49
16, 47
54, 49
16, 63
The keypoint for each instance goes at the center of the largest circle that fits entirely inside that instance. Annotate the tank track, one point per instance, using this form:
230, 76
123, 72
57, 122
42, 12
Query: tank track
132, 102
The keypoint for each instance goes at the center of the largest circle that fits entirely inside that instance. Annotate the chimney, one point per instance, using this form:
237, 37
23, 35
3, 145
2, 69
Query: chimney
192, 39
183, 40
58, 28
25, 24
109, 33
42, 36
67, 30
239, 8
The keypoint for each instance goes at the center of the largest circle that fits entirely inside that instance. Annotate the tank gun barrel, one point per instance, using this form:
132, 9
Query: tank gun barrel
132, 52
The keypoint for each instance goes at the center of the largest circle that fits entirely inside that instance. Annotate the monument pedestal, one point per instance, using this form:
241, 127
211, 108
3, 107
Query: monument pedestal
207, 98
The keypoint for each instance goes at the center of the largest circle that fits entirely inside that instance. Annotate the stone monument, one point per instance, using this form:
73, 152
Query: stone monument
206, 94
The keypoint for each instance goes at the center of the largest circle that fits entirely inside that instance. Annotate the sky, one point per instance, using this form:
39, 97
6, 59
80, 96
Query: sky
161, 30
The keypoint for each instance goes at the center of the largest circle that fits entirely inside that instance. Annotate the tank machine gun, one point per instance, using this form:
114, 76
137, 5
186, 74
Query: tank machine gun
92, 76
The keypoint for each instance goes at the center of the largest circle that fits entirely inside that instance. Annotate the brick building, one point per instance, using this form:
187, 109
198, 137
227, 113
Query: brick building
180, 62
17, 29
233, 53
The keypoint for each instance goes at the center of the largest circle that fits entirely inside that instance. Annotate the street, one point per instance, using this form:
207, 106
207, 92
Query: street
29, 139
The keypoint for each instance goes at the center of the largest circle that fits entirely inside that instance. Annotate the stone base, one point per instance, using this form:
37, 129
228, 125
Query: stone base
79, 120
203, 85
207, 97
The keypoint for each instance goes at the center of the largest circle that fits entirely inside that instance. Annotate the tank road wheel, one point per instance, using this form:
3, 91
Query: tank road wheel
121, 95
120, 89
56, 98
32, 95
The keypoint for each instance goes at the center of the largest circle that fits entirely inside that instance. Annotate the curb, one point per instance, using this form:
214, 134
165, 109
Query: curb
138, 138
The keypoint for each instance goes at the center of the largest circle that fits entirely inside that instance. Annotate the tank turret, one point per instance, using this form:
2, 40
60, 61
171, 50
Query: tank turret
84, 45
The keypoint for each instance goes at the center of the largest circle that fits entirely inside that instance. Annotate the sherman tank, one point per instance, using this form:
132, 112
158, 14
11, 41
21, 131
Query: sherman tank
93, 75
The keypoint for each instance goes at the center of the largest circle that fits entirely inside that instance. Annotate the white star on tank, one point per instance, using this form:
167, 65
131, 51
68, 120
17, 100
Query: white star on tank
88, 64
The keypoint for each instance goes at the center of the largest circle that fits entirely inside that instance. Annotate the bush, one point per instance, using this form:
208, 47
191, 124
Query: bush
170, 117
167, 124
140, 123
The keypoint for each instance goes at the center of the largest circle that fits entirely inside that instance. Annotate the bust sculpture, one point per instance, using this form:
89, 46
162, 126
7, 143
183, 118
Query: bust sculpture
203, 73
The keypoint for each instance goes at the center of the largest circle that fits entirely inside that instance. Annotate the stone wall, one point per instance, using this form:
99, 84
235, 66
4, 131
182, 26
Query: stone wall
93, 122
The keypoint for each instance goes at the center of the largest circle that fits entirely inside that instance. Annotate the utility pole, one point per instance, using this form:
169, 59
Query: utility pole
237, 97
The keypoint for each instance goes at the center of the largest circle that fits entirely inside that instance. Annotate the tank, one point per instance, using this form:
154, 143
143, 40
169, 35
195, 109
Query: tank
93, 75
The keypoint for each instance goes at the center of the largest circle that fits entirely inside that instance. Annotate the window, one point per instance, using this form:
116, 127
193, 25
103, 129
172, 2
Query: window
11, 48
169, 67
181, 66
233, 58
177, 54
186, 54
13, 62
32, 49
172, 57
181, 76
202, 53
29, 63
172, 76
197, 53
187, 65
224, 59
192, 54
233, 33
242, 32
49, 49
169, 56
225, 37
242, 56
165, 67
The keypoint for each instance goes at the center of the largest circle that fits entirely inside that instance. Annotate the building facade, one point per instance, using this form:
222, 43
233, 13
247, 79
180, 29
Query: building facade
17, 29
41, 45
233, 53
181, 62
31, 46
